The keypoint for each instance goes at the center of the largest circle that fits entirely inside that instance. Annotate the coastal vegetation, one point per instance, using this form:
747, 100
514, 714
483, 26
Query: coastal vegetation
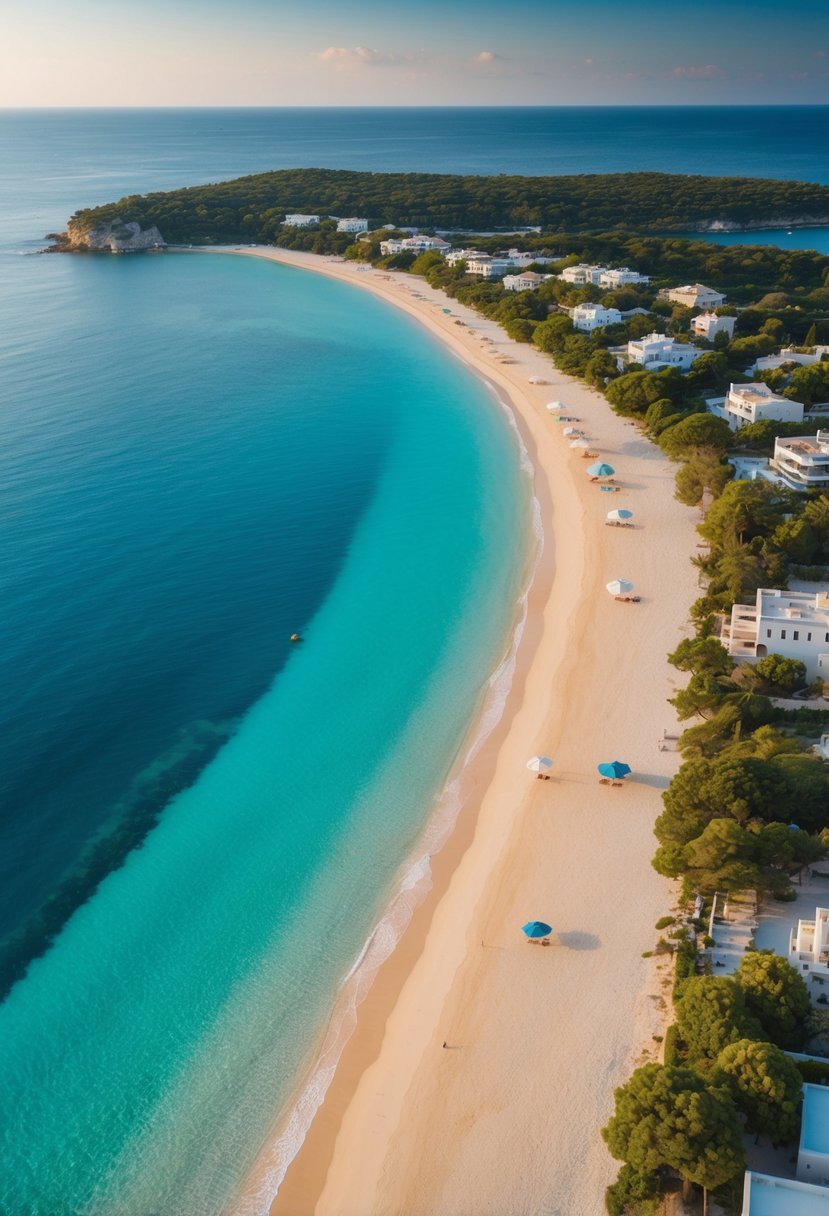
252, 208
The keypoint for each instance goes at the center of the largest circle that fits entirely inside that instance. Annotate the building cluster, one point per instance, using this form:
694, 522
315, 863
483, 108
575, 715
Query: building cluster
351, 223
584, 275
756, 402
419, 243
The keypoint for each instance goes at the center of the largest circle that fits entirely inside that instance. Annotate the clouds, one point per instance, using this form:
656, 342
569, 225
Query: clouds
358, 56
711, 71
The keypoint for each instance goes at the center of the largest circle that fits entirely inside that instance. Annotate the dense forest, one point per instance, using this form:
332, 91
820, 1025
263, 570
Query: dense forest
252, 208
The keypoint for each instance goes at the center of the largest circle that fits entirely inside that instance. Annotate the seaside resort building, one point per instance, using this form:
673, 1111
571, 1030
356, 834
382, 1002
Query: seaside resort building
802, 462
809, 950
696, 295
708, 325
413, 244
745, 403
300, 221
588, 317
528, 280
352, 224
789, 355
487, 267
453, 256
601, 276
794, 624
656, 351
767, 1196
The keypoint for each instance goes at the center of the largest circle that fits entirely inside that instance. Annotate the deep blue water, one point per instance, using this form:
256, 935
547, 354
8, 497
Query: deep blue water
201, 454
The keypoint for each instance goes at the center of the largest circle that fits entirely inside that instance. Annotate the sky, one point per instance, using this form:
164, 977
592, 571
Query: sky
419, 52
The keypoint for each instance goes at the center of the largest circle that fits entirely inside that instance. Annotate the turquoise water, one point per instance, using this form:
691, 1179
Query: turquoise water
144, 1054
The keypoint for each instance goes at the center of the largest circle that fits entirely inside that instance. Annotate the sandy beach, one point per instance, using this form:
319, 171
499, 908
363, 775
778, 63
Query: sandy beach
482, 1067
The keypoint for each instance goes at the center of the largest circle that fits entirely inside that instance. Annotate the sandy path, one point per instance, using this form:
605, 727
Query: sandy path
506, 1120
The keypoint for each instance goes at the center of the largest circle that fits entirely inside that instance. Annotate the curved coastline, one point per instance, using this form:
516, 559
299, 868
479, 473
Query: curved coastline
394, 1102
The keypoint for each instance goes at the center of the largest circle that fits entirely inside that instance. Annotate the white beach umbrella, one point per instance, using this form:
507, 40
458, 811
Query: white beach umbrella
571, 430
536, 380
620, 586
540, 764
620, 515
555, 406
582, 443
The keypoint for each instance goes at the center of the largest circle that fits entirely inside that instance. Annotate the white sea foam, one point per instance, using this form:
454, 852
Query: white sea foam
413, 883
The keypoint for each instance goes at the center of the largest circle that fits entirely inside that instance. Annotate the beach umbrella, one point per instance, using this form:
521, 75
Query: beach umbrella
600, 469
620, 514
540, 764
620, 586
535, 929
614, 769
554, 406
582, 443
571, 430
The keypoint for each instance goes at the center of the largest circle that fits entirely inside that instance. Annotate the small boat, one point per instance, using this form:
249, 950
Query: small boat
296, 637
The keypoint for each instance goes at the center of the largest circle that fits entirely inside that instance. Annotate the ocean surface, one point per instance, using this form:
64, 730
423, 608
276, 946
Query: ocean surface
201, 824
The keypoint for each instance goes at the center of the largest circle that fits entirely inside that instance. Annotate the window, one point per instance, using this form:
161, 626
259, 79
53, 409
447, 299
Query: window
808, 637
783, 635
796, 635
768, 633
826, 638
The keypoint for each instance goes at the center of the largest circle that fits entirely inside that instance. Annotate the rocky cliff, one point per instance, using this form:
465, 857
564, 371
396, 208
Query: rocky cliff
114, 236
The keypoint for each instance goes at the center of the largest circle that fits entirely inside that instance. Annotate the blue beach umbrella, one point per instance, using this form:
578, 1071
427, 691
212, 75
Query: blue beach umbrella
535, 929
600, 469
614, 769
621, 513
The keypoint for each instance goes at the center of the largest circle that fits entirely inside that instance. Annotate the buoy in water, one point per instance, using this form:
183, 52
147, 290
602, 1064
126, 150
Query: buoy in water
295, 637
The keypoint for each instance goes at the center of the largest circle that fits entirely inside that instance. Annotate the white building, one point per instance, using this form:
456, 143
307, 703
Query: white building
655, 351
809, 948
582, 274
623, 277
588, 317
487, 267
764, 1195
794, 624
802, 463
696, 295
453, 256
413, 244
352, 224
789, 355
813, 1153
746, 403
708, 325
300, 221
528, 280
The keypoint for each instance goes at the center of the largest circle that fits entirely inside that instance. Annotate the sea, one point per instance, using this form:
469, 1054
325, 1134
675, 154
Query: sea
211, 836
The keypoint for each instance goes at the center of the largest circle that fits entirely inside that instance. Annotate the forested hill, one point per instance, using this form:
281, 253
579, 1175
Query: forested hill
252, 208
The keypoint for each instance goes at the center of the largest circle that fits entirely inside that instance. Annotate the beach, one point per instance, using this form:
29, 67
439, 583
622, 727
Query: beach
482, 1067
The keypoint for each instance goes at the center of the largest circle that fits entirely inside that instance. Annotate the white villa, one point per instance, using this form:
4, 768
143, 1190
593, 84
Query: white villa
528, 280
601, 276
708, 325
622, 277
789, 355
813, 1153
656, 351
794, 624
809, 947
486, 267
582, 274
764, 1195
413, 244
300, 221
588, 317
747, 403
352, 224
453, 256
802, 463
696, 295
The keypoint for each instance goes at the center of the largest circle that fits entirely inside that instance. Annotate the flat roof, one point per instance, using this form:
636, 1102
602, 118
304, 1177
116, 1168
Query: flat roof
814, 1131
767, 1196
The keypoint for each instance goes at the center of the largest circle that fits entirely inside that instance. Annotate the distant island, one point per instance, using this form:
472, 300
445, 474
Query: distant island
253, 209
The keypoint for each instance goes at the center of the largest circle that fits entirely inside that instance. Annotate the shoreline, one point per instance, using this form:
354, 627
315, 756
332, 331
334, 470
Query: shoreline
399, 1117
